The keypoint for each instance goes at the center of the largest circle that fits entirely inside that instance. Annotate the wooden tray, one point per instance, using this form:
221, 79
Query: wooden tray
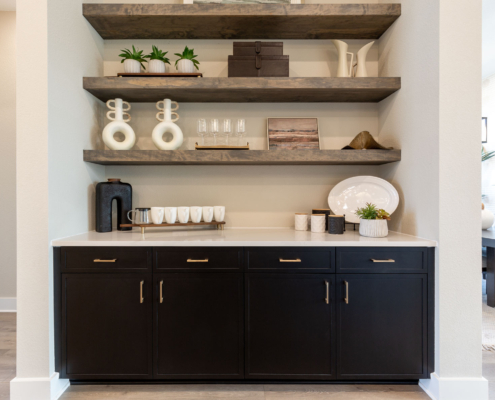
165, 74
221, 147
219, 225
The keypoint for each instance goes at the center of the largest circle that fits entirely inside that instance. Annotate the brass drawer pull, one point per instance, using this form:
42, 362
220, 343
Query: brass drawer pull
104, 261
161, 291
327, 299
189, 260
296, 260
383, 261
141, 292
346, 292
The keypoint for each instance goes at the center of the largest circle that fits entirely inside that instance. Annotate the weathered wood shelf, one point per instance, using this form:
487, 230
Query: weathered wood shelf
243, 90
239, 157
241, 21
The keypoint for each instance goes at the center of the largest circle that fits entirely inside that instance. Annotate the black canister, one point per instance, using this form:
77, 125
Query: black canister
106, 192
336, 224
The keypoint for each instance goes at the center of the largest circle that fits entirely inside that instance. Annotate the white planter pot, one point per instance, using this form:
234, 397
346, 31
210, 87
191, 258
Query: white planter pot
376, 228
132, 66
185, 66
156, 67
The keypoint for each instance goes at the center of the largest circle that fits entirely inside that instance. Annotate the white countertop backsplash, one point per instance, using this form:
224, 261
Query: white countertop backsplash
242, 237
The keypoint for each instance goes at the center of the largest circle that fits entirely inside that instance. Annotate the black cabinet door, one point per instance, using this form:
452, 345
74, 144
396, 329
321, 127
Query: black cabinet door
199, 326
107, 326
382, 326
290, 332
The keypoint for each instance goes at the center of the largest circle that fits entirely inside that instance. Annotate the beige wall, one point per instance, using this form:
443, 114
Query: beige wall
7, 157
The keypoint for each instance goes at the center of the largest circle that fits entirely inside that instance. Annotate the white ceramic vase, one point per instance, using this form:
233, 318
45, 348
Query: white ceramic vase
132, 66
185, 66
167, 124
361, 71
375, 228
344, 69
118, 124
156, 67
487, 219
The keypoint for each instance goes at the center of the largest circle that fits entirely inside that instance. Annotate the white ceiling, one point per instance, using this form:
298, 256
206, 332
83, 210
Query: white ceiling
7, 5
488, 52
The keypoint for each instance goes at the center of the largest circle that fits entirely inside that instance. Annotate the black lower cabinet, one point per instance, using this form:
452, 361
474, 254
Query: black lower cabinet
107, 326
199, 326
381, 326
289, 332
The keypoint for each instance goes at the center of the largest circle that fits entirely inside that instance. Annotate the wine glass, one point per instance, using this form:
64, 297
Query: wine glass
202, 130
214, 129
241, 129
227, 129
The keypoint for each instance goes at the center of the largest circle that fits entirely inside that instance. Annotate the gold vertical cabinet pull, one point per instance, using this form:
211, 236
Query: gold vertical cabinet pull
327, 299
189, 260
296, 260
161, 291
346, 292
141, 292
104, 261
383, 261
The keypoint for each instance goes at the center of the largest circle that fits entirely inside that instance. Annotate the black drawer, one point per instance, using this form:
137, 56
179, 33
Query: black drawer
290, 259
198, 258
381, 259
105, 259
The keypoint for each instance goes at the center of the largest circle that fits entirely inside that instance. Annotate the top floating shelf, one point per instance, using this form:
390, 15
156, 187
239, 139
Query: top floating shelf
241, 21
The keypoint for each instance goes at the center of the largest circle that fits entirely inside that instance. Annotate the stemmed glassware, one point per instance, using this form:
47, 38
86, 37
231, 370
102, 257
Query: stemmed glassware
240, 130
227, 129
202, 130
214, 129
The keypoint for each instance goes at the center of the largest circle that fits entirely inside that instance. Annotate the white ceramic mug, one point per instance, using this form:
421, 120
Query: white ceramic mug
157, 214
219, 213
196, 213
171, 215
301, 222
183, 213
207, 213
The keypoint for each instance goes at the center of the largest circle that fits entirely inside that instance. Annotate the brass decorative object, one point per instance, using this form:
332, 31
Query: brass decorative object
364, 141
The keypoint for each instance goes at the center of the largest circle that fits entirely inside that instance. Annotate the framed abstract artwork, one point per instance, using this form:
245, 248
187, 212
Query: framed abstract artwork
293, 134
484, 129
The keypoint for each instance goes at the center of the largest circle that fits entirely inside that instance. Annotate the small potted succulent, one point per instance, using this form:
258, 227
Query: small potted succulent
186, 61
373, 221
157, 61
132, 60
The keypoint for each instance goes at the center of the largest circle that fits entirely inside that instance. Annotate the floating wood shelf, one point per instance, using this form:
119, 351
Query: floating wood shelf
243, 90
241, 21
247, 157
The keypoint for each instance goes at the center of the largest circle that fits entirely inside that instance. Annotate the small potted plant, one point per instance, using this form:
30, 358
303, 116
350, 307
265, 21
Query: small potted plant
133, 61
157, 61
186, 61
373, 221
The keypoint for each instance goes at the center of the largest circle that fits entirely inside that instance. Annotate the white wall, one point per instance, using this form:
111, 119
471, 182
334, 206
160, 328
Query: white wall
7, 162
488, 167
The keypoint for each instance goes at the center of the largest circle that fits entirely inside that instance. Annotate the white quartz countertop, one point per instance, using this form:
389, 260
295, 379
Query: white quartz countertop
239, 237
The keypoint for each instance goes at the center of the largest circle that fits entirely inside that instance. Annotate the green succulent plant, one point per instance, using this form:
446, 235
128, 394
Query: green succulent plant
371, 211
157, 54
134, 55
187, 54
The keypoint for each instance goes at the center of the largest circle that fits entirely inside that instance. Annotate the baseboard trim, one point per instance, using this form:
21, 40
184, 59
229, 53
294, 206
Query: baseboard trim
8, 304
455, 388
38, 388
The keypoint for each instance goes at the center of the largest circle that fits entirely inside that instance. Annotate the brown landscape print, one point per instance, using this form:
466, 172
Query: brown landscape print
293, 134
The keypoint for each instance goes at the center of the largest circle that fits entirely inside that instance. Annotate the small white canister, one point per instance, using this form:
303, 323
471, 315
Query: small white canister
318, 223
301, 221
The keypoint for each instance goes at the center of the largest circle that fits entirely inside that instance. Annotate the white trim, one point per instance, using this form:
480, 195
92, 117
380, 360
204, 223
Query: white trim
455, 388
38, 388
8, 304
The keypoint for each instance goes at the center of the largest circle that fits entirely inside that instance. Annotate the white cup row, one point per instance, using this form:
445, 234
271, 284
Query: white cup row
172, 214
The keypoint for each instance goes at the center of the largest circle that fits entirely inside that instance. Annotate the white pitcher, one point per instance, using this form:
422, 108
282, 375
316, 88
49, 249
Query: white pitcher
345, 69
361, 71
167, 124
119, 124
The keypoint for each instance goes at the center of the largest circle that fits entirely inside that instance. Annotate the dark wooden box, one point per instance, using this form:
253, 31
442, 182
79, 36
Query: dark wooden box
261, 48
258, 66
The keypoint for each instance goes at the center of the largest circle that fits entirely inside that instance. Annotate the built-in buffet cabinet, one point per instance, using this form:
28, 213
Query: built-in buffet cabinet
252, 313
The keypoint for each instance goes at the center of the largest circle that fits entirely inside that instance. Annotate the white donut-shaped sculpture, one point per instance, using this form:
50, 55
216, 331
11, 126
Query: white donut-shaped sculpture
119, 126
167, 127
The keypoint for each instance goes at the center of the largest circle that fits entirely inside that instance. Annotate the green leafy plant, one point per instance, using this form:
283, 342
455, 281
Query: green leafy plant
486, 155
157, 54
371, 211
134, 55
187, 54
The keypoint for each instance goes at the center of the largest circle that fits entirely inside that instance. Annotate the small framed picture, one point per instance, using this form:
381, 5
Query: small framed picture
293, 134
484, 129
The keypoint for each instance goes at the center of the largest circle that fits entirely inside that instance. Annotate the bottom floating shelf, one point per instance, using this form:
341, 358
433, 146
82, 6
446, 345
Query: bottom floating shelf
219, 225
247, 157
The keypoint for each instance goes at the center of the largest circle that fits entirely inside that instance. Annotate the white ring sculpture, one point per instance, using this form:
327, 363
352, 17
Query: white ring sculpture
119, 124
167, 126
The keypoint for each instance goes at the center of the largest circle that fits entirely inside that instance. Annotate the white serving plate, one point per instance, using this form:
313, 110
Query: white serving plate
353, 193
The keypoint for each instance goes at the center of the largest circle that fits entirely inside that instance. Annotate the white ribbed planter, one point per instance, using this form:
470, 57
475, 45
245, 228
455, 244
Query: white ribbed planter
156, 67
376, 228
132, 66
185, 66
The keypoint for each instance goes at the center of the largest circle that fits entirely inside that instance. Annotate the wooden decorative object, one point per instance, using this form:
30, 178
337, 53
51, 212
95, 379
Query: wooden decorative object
162, 74
219, 225
293, 134
221, 147
258, 66
364, 141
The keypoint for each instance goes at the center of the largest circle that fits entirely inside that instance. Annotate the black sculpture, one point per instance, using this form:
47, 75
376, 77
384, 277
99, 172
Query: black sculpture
106, 192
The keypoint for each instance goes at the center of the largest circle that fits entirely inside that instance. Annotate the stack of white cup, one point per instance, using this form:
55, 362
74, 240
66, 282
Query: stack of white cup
184, 214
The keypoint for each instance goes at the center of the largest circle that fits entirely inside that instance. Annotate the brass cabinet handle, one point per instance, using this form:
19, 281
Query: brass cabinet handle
383, 261
161, 291
189, 260
346, 292
296, 260
141, 292
104, 261
327, 299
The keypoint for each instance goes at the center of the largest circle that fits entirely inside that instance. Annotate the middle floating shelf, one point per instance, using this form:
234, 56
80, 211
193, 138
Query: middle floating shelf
243, 90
